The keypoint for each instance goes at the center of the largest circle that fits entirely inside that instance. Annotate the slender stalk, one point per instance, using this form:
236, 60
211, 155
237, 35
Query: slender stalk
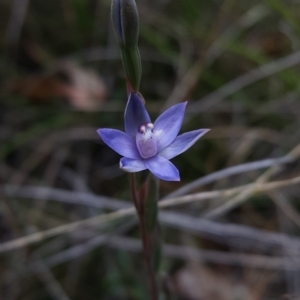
128, 87
147, 249
133, 191
138, 197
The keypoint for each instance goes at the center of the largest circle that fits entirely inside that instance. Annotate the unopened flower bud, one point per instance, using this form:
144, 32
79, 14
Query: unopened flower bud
126, 26
132, 65
125, 21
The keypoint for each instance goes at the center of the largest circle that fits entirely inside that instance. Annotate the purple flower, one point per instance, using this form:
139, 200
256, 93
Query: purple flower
146, 145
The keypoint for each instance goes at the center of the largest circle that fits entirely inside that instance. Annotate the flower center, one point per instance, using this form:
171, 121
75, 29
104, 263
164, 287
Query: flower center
145, 140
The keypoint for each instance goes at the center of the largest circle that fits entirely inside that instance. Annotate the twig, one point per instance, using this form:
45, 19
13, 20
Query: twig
175, 251
252, 16
91, 241
240, 82
65, 196
242, 168
189, 81
236, 236
244, 195
19, 9
38, 192
286, 207
228, 258
46, 147
106, 218
47, 278
253, 187
39, 236
291, 276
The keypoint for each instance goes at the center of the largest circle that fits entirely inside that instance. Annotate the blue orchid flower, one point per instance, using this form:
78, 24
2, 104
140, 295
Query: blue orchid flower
146, 145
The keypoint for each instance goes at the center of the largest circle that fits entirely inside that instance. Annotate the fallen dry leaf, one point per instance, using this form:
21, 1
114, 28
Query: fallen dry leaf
83, 88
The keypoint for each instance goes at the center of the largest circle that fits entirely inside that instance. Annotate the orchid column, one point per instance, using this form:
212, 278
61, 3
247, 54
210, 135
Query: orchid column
145, 145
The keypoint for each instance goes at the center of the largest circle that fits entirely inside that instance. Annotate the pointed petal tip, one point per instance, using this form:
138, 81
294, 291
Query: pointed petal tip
135, 95
178, 105
99, 131
175, 179
182, 143
184, 104
181, 104
205, 130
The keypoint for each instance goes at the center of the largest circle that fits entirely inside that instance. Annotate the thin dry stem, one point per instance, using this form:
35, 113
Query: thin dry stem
106, 218
245, 194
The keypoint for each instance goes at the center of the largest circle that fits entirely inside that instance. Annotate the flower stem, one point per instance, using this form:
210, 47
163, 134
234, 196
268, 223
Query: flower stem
138, 197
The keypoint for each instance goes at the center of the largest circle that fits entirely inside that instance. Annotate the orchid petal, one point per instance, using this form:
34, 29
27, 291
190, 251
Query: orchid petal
132, 165
168, 124
182, 143
119, 141
135, 114
162, 168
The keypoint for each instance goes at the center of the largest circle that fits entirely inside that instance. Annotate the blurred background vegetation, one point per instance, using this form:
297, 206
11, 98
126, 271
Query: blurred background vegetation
236, 62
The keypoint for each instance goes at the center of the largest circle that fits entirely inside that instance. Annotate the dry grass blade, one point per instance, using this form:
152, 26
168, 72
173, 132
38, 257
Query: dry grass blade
14, 28
106, 218
239, 83
174, 251
47, 278
286, 207
189, 253
39, 236
242, 168
246, 193
189, 81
